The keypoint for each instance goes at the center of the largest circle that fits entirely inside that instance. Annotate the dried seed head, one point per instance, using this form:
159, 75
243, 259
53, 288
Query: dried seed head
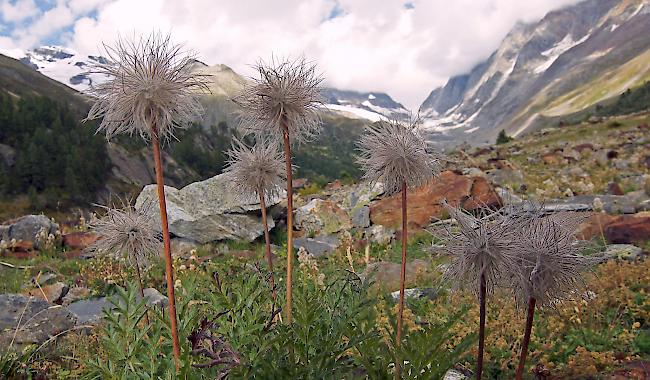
550, 261
151, 83
478, 246
393, 152
286, 92
256, 170
127, 233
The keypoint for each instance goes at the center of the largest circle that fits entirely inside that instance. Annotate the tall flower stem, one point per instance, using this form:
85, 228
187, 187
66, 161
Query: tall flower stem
402, 282
267, 240
481, 328
137, 272
524, 344
169, 269
287, 157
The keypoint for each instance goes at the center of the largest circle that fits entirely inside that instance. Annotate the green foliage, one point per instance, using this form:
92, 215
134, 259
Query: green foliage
57, 160
15, 364
502, 138
423, 351
133, 349
632, 100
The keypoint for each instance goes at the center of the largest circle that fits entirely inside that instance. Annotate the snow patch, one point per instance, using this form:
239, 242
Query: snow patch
613, 27
356, 113
557, 50
636, 12
471, 130
371, 96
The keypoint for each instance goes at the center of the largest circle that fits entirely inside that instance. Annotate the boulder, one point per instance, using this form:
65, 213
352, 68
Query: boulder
154, 298
415, 294
7, 155
512, 178
361, 217
28, 228
75, 294
49, 293
380, 234
386, 274
318, 246
321, 217
25, 320
622, 252
629, 229
209, 211
425, 202
89, 311
79, 240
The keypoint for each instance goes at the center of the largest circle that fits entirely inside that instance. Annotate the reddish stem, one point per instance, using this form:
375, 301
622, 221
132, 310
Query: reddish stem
169, 269
481, 329
402, 283
526, 341
287, 157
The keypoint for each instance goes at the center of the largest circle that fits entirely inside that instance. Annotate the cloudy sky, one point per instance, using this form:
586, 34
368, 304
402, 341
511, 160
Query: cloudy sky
404, 48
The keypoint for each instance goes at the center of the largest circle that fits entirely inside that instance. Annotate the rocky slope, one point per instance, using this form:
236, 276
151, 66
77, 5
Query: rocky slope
570, 59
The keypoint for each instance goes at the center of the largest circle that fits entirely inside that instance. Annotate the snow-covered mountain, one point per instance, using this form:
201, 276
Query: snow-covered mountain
364, 105
70, 68
63, 65
569, 60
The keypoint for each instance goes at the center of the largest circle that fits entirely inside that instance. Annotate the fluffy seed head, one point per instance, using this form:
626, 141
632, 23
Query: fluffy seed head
151, 82
393, 152
549, 260
256, 170
285, 92
479, 245
127, 233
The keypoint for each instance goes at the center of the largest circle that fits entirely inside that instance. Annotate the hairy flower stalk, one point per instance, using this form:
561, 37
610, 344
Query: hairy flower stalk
480, 257
394, 153
257, 171
550, 266
282, 103
151, 91
127, 233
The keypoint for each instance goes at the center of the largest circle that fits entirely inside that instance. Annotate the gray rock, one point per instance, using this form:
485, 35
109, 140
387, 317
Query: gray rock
506, 177
43, 279
622, 251
209, 211
379, 234
452, 374
90, 311
154, 298
508, 197
182, 247
27, 228
474, 172
28, 320
322, 217
75, 294
7, 154
415, 293
318, 246
361, 217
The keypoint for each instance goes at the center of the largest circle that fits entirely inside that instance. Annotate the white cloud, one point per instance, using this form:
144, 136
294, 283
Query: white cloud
372, 45
17, 10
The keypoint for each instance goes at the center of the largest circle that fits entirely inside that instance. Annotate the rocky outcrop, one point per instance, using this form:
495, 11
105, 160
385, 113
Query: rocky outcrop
25, 321
425, 202
208, 211
28, 228
322, 217
617, 229
386, 274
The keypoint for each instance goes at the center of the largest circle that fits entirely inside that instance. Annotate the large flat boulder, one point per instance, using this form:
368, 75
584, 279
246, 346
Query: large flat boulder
26, 320
208, 211
425, 202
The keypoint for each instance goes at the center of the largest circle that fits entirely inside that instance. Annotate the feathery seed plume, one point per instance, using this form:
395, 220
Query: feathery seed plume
151, 83
285, 91
394, 153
